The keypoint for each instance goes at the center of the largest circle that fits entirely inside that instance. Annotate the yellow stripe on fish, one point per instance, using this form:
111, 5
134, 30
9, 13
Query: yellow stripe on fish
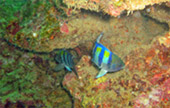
105, 59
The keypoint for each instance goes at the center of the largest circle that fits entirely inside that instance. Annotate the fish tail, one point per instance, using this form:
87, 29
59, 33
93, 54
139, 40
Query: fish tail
99, 37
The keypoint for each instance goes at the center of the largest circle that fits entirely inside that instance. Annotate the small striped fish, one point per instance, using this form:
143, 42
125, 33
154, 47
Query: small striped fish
105, 59
65, 60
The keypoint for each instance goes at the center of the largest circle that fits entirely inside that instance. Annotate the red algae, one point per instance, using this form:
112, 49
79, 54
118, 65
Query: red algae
148, 100
166, 88
13, 28
64, 28
103, 85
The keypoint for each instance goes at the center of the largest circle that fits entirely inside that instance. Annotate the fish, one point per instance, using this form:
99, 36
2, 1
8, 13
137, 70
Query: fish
65, 60
104, 59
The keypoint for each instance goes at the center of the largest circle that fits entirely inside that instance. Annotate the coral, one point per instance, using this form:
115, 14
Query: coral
166, 89
17, 79
165, 40
155, 97
8, 11
88, 85
111, 7
64, 28
30, 24
158, 12
28, 79
157, 70
140, 84
42, 26
150, 100
91, 92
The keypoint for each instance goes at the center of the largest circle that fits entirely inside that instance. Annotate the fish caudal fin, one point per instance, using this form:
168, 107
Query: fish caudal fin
59, 67
99, 37
101, 73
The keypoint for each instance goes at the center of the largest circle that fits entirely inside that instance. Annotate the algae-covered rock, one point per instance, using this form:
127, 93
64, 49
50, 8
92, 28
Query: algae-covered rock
159, 12
140, 84
29, 80
43, 27
30, 24
141, 39
112, 7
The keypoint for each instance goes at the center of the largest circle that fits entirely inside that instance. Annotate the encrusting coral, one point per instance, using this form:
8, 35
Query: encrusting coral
111, 7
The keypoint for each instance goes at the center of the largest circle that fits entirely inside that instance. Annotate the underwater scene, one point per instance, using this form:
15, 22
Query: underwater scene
84, 54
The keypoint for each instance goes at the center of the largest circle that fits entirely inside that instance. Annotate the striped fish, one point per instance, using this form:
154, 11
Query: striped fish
105, 59
65, 60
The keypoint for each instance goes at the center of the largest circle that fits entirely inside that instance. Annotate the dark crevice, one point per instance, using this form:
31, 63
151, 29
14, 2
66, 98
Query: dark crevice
69, 94
164, 24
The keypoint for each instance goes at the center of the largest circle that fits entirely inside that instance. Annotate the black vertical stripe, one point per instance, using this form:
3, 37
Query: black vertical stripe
110, 60
65, 58
71, 61
60, 57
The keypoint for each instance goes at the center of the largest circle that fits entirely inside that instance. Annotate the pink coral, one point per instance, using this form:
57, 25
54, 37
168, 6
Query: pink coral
103, 85
166, 88
114, 11
69, 77
156, 78
149, 100
154, 98
64, 28
142, 101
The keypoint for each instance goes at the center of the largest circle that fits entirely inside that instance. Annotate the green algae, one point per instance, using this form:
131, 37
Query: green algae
24, 79
31, 23
8, 9
16, 82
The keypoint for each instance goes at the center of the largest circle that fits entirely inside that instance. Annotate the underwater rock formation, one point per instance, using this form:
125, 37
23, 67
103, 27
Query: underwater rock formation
159, 12
141, 39
111, 7
30, 24
143, 83
28, 80
45, 29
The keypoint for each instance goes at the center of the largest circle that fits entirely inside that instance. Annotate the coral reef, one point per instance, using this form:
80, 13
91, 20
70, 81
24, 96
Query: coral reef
111, 7
30, 24
158, 12
141, 39
28, 80
146, 68
54, 29
144, 82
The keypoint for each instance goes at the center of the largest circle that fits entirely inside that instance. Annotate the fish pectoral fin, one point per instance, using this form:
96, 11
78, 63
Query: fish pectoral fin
101, 73
59, 67
68, 68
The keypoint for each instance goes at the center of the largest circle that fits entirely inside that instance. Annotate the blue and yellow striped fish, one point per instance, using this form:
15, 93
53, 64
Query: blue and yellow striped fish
105, 59
65, 60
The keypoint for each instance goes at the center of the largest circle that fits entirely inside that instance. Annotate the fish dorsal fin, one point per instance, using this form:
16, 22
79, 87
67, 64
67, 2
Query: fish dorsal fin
99, 37
101, 73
